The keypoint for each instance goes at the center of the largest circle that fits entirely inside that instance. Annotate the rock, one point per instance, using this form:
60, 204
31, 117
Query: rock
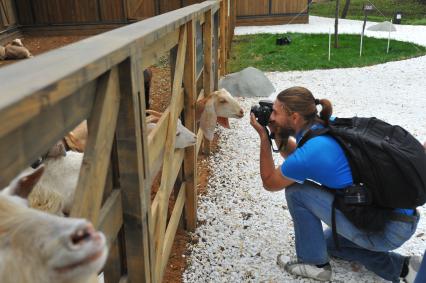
249, 82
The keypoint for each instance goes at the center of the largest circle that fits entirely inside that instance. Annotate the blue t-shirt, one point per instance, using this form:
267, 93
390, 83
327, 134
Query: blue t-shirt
322, 160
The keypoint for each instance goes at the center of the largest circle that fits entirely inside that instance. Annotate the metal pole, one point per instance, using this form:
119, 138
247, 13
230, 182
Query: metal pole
329, 44
390, 27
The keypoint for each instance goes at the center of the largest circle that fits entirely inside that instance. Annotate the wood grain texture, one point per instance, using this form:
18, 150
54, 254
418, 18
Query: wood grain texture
101, 125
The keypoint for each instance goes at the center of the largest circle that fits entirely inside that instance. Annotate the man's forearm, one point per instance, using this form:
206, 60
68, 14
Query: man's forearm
267, 165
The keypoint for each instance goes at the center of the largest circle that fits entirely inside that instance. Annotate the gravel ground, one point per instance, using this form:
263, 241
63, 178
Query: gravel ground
245, 227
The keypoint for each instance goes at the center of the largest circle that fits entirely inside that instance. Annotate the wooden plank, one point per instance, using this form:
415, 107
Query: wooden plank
251, 8
111, 10
223, 38
111, 216
173, 225
22, 146
208, 83
80, 63
190, 163
131, 150
24, 13
156, 142
169, 5
152, 53
178, 157
112, 269
273, 20
166, 181
101, 125
86, 11
208, 53
140, 9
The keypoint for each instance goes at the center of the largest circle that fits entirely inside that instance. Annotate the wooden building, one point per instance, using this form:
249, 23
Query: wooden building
272, 12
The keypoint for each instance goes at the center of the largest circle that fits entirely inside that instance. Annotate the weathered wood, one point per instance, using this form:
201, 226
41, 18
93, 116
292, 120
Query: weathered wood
111, 216
190, 163
173, 225
112, 269
110, 222
132, 178
25, 143
223, 38
79, 64
155, 51
89, 191
166, 181
208, 59
177, 163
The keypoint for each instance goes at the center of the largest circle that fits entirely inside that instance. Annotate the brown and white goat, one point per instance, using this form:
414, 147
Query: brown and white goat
217, 108
38, 247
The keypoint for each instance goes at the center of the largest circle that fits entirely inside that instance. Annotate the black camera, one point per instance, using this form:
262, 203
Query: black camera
262, 112
357, 194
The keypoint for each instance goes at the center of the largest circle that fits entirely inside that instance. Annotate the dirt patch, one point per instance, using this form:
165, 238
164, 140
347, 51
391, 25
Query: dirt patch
159, 100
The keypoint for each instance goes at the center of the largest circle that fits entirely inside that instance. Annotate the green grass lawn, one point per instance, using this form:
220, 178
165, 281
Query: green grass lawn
310, 51
413, 12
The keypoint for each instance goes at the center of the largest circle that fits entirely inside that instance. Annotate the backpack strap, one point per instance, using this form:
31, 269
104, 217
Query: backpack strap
312, 134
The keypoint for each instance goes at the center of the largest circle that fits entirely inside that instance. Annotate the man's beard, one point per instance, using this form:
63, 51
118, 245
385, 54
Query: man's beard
281, 135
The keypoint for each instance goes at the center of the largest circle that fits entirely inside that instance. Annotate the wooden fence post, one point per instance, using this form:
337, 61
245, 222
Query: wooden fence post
190, 161
132, 159
208, 57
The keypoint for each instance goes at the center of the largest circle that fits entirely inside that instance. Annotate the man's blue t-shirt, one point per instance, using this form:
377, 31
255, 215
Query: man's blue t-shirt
321, 159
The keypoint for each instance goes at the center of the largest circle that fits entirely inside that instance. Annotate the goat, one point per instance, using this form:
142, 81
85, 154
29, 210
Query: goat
16, 50
38, 247
2, 53
55, 191
217, 108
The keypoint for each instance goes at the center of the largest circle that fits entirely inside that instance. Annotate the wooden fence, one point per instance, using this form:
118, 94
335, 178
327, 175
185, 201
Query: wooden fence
269, 12
101, 79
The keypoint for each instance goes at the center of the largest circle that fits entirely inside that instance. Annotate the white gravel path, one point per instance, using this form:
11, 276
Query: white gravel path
245, 226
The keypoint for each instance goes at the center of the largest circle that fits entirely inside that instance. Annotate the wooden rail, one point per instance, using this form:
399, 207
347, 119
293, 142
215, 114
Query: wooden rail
101, 79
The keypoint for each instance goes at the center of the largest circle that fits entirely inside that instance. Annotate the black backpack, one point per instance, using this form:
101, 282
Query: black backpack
387, 160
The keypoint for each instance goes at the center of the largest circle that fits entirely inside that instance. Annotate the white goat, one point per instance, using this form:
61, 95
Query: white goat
54, 193
184, 137
38, 247
16, 50
2, 53
217, 108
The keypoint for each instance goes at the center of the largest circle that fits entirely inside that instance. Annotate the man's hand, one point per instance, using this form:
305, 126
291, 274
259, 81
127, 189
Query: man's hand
258, 127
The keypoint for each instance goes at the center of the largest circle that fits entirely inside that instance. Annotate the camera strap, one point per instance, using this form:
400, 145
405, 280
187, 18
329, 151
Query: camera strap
270, 137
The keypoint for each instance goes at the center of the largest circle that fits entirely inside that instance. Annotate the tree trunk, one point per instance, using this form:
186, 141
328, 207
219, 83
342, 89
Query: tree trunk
345, 9
336, 25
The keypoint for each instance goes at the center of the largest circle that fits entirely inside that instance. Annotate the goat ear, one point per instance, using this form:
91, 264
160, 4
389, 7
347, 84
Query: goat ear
199, 109
74, 143
25, 183
208, 119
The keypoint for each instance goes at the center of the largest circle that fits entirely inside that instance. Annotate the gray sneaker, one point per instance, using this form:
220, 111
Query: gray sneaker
413, 268
303, 269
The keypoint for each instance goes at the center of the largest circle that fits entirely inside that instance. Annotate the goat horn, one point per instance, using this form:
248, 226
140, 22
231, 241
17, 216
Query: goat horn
154, 113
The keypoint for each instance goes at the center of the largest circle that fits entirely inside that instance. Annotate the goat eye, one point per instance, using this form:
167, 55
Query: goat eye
222, 101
